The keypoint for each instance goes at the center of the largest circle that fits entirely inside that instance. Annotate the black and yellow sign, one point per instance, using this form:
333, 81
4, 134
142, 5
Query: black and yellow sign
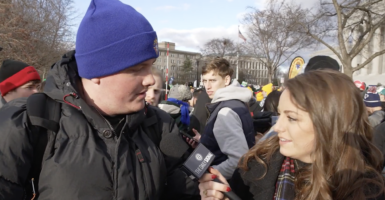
296, 66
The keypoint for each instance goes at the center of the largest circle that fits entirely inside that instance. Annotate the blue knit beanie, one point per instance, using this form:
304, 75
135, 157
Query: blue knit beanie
371, 98
112, 37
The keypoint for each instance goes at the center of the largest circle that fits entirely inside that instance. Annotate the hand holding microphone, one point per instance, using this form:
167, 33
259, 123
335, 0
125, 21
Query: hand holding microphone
212, 184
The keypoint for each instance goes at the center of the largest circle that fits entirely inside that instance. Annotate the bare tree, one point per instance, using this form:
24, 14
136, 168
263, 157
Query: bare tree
35, 31
219, 47
272, 34
352, 24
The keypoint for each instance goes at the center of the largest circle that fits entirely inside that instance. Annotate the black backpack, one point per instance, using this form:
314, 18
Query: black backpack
44, 114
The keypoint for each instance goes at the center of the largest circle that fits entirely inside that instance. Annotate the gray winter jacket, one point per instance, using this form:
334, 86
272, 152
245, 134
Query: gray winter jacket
2, 102
86, 159
228, 129
376, 118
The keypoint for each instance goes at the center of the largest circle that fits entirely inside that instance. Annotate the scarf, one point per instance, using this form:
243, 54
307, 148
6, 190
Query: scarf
185, 112
285, 189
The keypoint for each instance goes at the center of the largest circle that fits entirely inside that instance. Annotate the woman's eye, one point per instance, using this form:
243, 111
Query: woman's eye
291, 119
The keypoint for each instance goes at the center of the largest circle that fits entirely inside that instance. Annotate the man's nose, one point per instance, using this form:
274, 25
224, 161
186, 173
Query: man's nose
149, 80
208, 85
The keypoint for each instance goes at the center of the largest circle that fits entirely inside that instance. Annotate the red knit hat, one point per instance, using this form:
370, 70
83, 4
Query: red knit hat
14, 74
361, 85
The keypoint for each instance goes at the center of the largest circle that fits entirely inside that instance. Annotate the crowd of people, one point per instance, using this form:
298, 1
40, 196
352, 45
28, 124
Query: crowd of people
103, 126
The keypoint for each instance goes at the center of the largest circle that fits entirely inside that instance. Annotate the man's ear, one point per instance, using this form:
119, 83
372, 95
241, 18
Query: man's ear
227, 80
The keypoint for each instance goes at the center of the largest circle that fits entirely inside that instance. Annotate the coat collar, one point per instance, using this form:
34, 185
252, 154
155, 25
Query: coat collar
263, 188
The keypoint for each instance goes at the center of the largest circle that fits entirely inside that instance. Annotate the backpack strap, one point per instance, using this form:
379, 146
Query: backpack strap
43, 112
44, 115
155, 128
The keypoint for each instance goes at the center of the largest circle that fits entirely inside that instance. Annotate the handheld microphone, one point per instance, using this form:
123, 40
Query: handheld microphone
198, 163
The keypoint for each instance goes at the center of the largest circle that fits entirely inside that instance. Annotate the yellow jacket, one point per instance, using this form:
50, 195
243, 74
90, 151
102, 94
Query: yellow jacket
266, 88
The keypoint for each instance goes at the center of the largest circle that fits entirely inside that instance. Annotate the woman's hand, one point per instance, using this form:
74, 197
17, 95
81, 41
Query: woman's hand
210, 190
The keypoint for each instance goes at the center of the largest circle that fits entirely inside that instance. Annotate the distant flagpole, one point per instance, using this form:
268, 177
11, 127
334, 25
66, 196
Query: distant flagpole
244, 39
167, 71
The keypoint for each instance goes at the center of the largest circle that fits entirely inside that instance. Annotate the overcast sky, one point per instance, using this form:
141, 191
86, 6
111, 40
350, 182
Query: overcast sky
190, 24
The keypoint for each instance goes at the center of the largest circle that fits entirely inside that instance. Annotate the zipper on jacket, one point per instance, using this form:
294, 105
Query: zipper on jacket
113, 161
114, 157
144, 169
209, 114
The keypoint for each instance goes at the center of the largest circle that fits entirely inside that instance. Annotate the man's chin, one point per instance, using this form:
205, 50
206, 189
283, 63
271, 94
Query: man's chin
139, 105
134, 107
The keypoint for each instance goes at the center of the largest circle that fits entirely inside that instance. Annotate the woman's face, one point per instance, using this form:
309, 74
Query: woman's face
295, 130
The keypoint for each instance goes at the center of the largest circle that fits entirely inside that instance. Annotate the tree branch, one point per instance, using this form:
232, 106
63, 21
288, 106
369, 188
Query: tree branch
368, 60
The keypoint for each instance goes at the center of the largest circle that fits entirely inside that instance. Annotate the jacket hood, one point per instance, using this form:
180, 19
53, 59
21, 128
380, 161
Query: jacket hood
63, 79
232, 92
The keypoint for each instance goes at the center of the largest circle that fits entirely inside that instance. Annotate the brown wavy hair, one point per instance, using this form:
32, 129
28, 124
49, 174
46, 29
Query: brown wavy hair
346, 164
219, 65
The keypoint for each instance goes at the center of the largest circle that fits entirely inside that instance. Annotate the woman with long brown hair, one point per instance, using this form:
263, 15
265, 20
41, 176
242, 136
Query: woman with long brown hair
323, 149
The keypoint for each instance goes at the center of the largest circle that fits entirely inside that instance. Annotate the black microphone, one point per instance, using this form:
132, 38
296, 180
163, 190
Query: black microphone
198, 163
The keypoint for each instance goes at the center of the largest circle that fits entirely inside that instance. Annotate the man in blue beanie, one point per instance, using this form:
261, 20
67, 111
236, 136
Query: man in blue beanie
101, 140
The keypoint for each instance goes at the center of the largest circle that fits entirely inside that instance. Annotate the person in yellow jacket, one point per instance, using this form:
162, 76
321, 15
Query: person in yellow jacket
267, 89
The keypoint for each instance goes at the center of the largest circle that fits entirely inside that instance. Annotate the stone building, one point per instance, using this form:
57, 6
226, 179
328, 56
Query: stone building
175, 62
251, 69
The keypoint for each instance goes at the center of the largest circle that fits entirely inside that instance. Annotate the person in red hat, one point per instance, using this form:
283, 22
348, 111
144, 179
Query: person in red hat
17, 80
361, 86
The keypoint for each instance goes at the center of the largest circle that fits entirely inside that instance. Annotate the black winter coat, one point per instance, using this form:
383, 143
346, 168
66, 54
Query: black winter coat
200, 115
248, 187
86, 159
379, 137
